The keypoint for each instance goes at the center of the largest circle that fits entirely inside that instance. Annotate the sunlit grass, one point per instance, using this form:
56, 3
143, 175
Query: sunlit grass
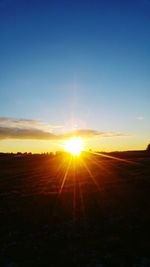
76, 169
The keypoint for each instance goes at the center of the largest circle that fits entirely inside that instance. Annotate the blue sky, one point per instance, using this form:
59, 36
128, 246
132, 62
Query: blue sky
80, 64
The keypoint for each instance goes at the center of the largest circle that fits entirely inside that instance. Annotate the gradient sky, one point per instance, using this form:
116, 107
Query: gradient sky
74, 65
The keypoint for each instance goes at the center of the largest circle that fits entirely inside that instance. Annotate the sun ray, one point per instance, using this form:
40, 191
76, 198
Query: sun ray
74, 192
91, 175
103, 167
112, 157
65, 175
60, 166
82, 200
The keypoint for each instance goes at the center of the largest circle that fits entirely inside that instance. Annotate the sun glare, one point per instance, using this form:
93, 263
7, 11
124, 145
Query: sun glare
74, 146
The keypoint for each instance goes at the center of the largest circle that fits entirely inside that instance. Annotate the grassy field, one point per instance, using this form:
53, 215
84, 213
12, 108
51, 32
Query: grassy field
68, 211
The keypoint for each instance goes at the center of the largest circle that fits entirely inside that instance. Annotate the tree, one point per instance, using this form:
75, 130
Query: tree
148, 148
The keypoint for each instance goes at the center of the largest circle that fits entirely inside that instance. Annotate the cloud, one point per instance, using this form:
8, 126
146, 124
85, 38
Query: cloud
26, 129
27, 124
140, 118
16, 133
89, 133
37, 130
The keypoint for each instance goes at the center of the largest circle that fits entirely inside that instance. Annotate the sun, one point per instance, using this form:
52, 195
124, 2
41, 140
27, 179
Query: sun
74, 146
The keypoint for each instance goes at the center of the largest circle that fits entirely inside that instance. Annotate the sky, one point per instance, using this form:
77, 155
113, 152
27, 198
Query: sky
74, 67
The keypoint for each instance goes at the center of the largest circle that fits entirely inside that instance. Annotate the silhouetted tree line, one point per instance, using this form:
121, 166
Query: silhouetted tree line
148, 148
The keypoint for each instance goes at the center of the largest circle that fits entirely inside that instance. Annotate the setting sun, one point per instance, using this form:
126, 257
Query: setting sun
74, 146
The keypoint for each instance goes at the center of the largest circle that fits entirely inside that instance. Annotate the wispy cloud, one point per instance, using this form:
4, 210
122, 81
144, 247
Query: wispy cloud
37, 130
140, 118
89, 133
27, 124
16, 133
26, 129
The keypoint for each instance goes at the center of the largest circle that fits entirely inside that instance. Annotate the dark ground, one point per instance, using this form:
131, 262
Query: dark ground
62, 211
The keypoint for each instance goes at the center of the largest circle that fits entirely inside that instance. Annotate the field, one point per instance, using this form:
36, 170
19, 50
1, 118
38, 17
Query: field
58, 210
